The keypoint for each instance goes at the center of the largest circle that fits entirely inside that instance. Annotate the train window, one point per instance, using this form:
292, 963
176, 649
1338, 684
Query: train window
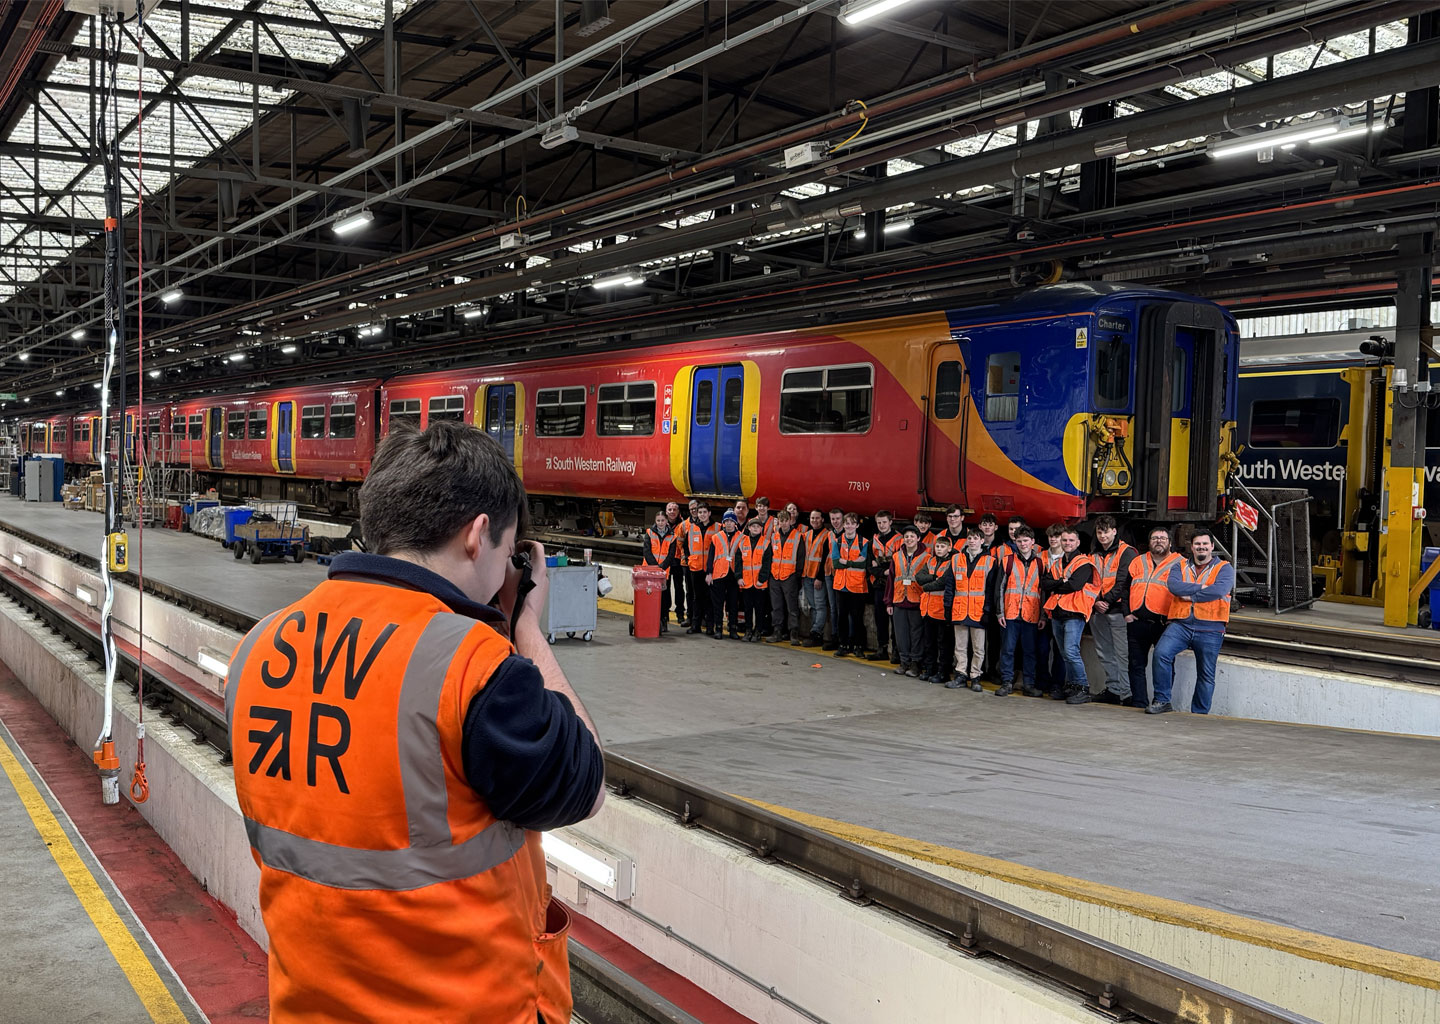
177, 426
312, 422
407, 409
235, 426
342, 419
704, 402
152, 425
446, 407
625, 410
559, 412
197, 426
732, 399
829, 400
1002, 387
61, 432
259, 424
948, 381
1179, 382
82, 431
1112, 373
1295, 423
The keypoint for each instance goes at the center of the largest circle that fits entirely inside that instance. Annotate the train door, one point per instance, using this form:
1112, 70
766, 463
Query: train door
215, 437
1179, 406
717, 430
942, 469
97, 438
504, 419
282, 436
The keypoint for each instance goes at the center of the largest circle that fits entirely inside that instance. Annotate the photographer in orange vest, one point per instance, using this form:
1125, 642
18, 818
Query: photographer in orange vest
402, 734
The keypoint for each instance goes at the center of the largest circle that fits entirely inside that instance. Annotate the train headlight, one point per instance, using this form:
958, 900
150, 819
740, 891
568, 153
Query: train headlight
1109, 478
1122, 479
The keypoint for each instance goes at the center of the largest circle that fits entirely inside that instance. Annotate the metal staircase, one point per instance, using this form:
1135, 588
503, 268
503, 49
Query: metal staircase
1273, 562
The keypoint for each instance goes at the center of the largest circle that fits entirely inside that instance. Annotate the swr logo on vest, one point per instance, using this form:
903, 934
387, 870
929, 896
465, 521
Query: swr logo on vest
277, 737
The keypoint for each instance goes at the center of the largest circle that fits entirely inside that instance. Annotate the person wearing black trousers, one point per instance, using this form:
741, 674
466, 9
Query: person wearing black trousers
660, 552
851, 556
678, 578
934, 579
882, 547
697, 555
721, 572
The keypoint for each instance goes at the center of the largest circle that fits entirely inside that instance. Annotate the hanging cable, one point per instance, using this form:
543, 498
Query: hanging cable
139, 785
864, 120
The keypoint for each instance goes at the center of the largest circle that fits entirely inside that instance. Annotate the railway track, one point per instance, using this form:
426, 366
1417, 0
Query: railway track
1116, 983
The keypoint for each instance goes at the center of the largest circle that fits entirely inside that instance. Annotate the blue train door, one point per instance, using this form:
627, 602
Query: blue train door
716, 429
284, 434
500, 416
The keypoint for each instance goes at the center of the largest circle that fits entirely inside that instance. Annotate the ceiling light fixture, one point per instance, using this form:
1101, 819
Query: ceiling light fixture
60, 393
24, 357
904, 224
618, 281
78, 333
154, 374
171, 297
354, 222
474, 314
1280, 137
236, 357
858, 11
289, 350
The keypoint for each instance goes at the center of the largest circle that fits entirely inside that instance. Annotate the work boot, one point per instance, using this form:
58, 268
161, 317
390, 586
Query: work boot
1133, 701
913, 672
1108, 697
904, 668
874, 656
830, 645
955, 684
975, 685
693, 629
842, 652
1161, 708
664, 627
1031, 691
895, 658
1005, 690
734, 634
1078, 695
812, 640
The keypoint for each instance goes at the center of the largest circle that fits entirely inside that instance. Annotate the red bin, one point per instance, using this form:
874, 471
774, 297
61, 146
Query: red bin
649, 582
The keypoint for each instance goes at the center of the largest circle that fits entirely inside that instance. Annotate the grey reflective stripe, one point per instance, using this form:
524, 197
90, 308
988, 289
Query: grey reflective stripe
237, 666
345, 867
417, 734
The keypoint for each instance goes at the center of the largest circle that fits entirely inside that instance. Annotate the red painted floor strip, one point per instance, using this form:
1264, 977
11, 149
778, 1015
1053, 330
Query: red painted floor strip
690, 997
222, 967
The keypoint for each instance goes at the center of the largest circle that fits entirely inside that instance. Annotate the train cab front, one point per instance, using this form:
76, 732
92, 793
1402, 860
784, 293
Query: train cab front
1158, 440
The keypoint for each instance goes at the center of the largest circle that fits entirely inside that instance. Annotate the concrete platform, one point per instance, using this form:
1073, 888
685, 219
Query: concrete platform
74, 950
1326, 830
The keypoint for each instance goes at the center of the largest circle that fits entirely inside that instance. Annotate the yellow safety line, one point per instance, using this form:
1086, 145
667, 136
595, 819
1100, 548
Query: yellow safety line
1402, 967
138, 969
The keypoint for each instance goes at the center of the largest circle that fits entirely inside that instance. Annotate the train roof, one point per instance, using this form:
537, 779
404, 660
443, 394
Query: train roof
1059, 299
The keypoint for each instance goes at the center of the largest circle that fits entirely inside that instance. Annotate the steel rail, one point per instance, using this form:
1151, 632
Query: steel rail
1115, 982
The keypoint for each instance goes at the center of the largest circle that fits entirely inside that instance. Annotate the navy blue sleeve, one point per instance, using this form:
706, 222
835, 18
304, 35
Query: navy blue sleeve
527, 753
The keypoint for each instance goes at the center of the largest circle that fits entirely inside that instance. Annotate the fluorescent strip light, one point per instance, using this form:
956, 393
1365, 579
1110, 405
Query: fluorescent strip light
904, 224
1359, 129
60, 393
214, 662
863, 10
289, 350
354, 222
24, 357
154, 374
474, 314
78, 333
619, 280
859, 234
85, 594
599, 868
237, 357
1264, 140
170, 297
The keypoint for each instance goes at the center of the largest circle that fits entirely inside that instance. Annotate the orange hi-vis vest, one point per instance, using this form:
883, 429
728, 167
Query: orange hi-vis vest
696, 545
817, 549
1022, 589
1001, 550
750, 555
768, 529
969, 602
852, 580
903, 568
388, 888
927, 540
1149, 587
724, 546
891, 544
784, 552
1205, 611
660, 547
1107, 567
1082, 601
932, 602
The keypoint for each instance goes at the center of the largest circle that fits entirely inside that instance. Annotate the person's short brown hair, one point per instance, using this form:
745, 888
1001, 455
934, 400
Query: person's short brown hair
424, 487
851, 517
1024, 531
1054, 529
1104, 523
989, 517
950, 510
886, 513
1074, 531
760, 501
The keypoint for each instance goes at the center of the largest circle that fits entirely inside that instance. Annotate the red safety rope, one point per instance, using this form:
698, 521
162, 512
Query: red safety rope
139, 785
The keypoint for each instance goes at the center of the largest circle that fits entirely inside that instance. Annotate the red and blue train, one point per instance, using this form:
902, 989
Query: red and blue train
1066, 402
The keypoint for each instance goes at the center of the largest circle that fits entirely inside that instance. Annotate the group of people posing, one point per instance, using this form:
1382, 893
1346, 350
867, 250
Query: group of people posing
959, 604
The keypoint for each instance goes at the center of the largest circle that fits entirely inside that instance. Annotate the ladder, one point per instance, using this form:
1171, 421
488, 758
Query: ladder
1273, 562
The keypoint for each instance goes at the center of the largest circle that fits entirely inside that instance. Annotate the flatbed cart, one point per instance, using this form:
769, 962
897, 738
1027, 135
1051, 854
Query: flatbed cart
274, 531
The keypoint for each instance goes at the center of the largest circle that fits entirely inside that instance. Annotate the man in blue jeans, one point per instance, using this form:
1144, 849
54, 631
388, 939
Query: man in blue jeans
1200, 587
1070, 588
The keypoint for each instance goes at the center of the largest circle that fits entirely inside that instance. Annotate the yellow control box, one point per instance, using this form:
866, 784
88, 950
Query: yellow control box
117, 551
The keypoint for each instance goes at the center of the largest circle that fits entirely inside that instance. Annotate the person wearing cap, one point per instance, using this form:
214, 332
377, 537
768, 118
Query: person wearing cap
902, 601
752, 561
721, 573
786, 546
660, 552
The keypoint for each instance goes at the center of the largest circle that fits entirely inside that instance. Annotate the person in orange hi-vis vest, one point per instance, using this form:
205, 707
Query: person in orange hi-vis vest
837, 530
697, 536
402, 734
752, 564
1112, 558
677, 574
816, 540
934, 579
659, 551
723, 574
902, 600
851, 556
1148, 611
1070, 589
1019, 615
787, 546
883, 545
971, 598
923, 522
1200, 590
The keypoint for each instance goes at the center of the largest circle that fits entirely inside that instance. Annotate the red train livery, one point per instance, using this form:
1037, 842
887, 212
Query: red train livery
1069, 401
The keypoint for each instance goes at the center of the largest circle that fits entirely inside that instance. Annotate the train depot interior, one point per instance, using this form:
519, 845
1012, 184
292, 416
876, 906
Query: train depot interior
1160, 268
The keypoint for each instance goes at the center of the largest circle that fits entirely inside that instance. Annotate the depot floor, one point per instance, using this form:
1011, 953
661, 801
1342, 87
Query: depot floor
1326, 830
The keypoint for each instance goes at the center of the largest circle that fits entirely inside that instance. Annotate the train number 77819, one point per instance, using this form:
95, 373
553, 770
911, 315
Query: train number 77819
859, 485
